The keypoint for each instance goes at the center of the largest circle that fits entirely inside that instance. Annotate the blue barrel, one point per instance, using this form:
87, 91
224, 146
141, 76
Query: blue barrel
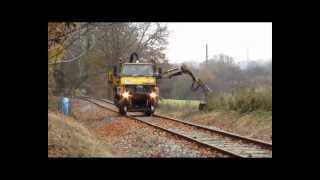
66, 106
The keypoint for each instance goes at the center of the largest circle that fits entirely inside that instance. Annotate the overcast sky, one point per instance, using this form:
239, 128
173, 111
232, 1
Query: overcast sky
187, 40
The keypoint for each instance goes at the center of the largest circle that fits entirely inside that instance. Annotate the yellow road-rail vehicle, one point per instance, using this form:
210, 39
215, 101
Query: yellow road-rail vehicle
135, 85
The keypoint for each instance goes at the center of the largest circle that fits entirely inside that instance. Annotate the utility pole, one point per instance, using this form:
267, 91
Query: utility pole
206, 53
247, 60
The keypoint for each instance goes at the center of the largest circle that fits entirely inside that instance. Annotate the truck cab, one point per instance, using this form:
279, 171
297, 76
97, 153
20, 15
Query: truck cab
135, 87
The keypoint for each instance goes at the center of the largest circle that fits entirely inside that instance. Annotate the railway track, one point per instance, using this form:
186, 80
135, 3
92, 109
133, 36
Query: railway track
231, 144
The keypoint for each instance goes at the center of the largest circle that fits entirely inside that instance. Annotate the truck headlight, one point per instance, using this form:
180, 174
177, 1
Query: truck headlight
153, 95
125, 94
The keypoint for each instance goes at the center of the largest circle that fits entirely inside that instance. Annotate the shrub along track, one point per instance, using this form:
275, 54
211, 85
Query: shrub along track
226, 143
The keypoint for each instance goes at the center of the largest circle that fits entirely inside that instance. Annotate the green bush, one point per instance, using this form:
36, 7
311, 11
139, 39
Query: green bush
172, 105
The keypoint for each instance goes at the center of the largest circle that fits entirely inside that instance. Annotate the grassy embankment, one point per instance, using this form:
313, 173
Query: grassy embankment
247, 112
68, 137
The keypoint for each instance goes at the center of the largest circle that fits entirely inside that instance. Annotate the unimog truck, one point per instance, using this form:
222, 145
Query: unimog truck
135, 86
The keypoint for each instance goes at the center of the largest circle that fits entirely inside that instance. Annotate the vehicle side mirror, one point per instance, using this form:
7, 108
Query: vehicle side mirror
159, 73
110, 77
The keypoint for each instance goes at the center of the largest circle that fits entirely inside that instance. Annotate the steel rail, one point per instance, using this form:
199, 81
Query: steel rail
264, 145
223, 151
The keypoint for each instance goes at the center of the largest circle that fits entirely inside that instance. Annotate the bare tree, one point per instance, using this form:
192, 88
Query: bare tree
90, 49
119, 40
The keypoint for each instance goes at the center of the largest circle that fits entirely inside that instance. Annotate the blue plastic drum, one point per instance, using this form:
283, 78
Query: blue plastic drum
66, 106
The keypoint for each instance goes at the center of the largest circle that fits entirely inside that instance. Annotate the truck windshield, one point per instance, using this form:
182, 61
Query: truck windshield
137, 70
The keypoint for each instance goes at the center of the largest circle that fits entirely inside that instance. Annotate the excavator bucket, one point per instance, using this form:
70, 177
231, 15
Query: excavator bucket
203, 106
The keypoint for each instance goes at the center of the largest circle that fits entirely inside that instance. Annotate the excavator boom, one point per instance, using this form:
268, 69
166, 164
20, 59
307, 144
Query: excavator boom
196, 82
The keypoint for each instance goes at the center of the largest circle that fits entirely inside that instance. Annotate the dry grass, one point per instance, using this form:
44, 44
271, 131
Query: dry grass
69, 138
53, 103
243, 100
257, 124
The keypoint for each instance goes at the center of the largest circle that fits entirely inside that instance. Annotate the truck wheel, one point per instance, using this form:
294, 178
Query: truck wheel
123, 110
149, 111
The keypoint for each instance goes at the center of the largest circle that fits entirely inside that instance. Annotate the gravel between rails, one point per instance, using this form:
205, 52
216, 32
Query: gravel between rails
130, 138
134, 139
